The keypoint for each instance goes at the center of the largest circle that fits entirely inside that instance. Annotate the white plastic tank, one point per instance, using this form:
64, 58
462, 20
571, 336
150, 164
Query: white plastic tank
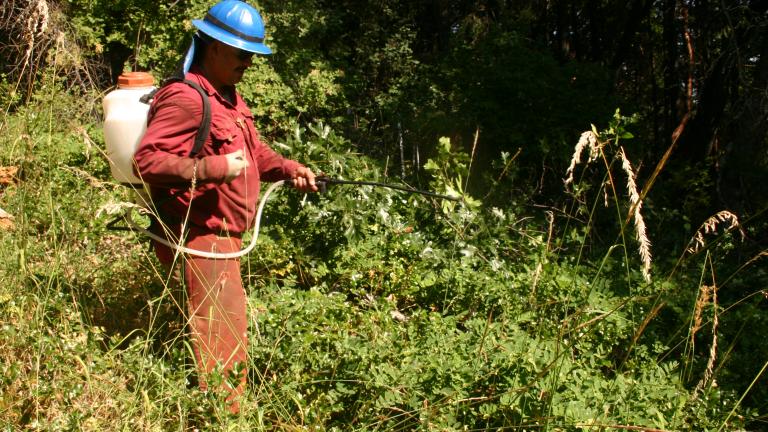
125, 121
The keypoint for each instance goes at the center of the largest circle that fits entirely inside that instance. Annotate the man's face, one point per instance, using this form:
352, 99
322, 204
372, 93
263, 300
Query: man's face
227, 64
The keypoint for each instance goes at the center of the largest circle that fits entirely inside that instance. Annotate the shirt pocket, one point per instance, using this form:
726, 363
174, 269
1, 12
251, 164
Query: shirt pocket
225, 135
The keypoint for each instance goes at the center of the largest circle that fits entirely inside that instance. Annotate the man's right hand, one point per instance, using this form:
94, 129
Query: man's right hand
236, 162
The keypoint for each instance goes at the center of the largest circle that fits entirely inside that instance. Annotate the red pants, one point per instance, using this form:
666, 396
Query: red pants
216, 307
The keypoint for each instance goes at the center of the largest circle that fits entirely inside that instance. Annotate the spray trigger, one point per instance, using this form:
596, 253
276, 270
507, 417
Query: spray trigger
321, 182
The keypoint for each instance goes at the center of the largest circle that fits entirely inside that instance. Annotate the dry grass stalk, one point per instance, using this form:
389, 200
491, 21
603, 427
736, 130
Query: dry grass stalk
707, 378
705, 295
589, 140
710, 226
550, 230
87, 141
536, 276
762, 254
644, 248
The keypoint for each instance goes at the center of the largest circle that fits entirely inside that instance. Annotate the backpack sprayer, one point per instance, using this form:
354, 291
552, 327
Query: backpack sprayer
125, 121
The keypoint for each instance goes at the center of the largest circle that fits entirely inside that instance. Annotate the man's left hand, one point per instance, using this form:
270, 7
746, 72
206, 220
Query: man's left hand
304, 180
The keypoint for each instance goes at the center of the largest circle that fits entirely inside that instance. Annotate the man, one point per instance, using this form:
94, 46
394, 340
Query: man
213, 193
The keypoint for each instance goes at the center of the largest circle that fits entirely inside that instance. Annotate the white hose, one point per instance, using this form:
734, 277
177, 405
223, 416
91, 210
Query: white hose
204, 254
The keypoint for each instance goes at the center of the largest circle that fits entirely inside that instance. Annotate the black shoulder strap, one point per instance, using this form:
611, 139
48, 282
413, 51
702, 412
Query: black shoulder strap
205, 125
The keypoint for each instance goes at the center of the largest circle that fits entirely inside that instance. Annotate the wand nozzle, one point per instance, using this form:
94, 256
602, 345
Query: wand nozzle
323, 181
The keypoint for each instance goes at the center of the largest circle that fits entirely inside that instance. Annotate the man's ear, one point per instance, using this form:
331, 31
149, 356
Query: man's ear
215, 48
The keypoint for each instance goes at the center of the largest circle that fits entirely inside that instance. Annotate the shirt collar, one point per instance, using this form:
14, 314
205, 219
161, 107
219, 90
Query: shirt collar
196, 74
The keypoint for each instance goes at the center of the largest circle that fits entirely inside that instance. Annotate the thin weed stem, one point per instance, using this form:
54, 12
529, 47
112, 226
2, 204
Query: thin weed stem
689, 349
743, 395
472, 157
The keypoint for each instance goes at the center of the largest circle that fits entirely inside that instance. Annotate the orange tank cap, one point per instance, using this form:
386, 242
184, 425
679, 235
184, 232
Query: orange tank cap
135, 79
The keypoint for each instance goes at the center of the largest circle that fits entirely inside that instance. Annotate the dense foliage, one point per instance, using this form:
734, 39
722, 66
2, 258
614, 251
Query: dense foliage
611, 302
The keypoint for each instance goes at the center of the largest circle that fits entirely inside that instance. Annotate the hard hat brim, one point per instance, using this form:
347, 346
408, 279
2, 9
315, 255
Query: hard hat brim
230, 39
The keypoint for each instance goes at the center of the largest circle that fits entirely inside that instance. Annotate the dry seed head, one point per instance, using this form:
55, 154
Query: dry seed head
36, 24
39, 17
644, 249
589, 140
705, 295
710, 226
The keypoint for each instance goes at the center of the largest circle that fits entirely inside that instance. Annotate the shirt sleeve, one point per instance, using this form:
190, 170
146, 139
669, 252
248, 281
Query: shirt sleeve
273, 166
163, 153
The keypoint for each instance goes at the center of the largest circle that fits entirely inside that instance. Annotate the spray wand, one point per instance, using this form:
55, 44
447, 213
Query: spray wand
323, 181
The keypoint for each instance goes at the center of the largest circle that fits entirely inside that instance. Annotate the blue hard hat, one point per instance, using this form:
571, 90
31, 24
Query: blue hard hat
235, 23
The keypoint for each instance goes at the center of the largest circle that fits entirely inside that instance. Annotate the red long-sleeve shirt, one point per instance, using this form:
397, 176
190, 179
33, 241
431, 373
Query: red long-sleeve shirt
163, 161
